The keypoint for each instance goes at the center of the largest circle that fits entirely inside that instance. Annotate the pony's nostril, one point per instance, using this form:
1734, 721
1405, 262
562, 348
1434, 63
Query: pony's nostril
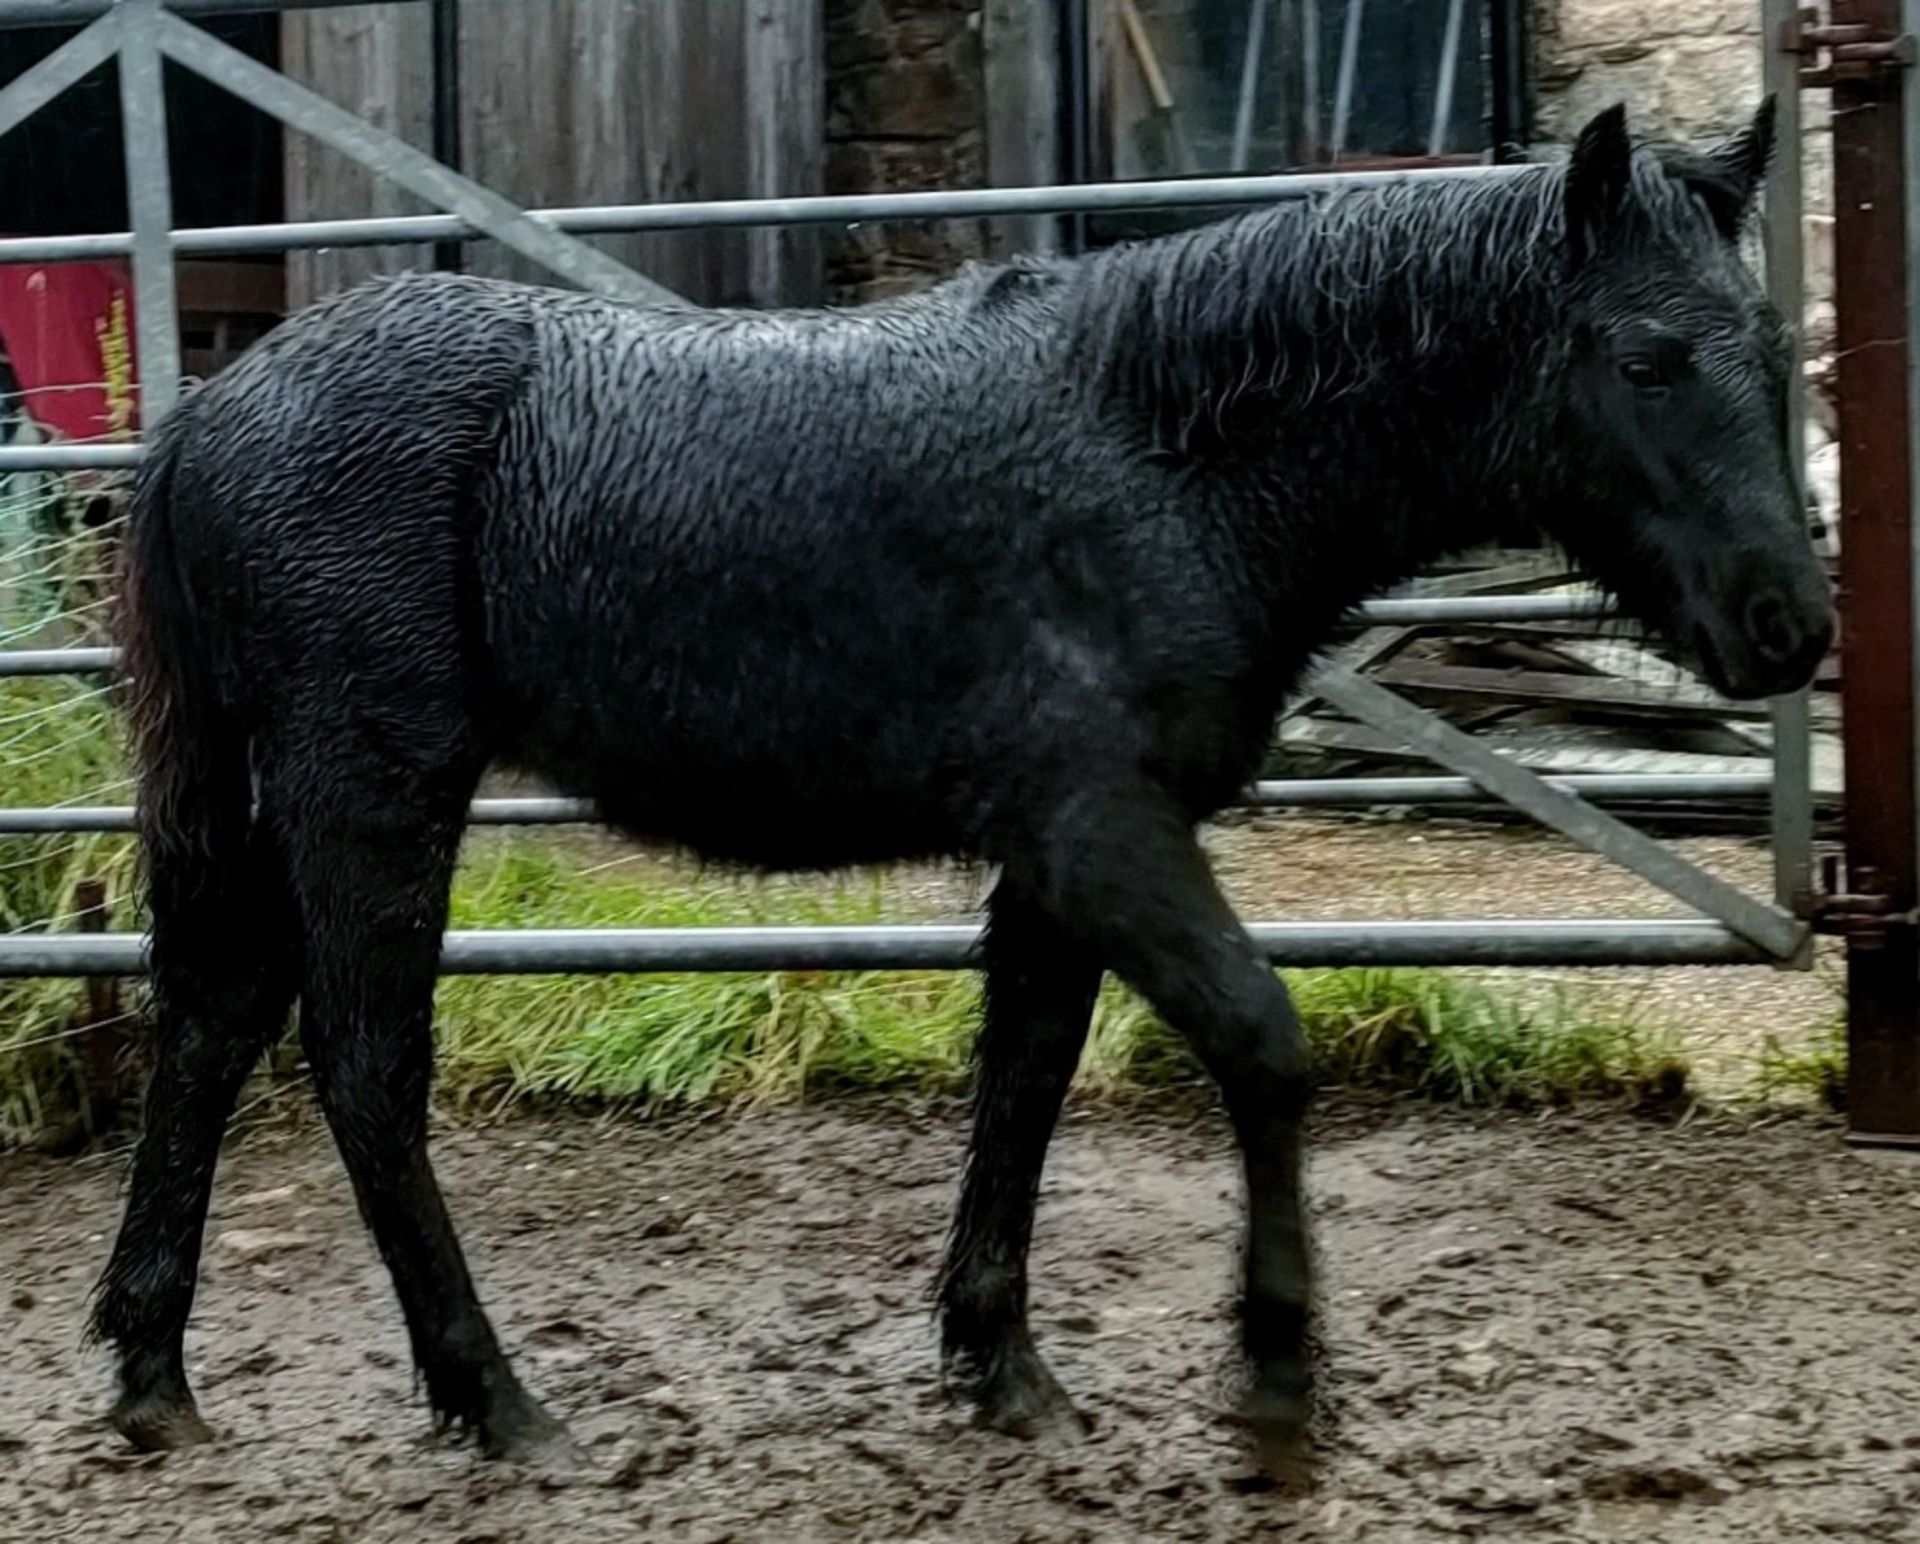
1771, 629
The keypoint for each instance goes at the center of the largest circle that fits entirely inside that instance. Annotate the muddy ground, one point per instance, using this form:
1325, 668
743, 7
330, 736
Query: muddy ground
1582, 1328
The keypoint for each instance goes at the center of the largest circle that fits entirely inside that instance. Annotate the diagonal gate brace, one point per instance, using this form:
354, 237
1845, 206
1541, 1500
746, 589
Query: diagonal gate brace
394, 159
1779, 934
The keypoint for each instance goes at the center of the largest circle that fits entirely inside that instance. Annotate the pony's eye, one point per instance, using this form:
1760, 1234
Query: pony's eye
1642, 374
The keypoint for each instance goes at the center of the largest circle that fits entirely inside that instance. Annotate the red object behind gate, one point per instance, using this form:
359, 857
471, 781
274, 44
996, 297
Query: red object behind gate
68, 333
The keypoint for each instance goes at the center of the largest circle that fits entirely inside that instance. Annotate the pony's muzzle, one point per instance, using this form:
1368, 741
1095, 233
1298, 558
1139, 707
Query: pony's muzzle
1788, 638
1781, 637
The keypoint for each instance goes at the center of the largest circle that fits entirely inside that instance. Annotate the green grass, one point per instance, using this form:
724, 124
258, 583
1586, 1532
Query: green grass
1813, 1074
669, 1040
59, 743
58, 739
680, 1040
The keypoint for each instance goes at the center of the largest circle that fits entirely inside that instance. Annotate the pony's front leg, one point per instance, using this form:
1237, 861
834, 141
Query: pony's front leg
1039, 1002
1128, 880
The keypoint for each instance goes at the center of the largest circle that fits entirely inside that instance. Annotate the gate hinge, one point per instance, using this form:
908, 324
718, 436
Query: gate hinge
1864, 913
1851, 51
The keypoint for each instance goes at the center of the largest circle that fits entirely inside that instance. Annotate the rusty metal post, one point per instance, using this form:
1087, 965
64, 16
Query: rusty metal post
1859, 59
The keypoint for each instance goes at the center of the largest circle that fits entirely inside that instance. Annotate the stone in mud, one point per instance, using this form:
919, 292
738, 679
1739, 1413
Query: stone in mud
252, 1246
280, 1195
1477, 1371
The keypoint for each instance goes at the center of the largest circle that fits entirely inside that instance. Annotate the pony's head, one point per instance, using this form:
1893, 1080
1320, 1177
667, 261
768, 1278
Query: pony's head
1682, 494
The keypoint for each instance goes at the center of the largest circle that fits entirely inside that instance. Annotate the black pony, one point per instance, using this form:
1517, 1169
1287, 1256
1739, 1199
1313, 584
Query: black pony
1018, 569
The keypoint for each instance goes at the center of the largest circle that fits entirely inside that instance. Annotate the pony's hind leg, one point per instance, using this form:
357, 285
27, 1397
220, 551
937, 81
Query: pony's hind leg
372, 879
225, 951
1039, 1002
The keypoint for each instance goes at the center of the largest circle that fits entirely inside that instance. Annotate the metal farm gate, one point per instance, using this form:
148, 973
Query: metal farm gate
1860, 54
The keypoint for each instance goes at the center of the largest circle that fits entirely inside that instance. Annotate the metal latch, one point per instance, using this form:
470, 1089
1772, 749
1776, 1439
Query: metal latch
1863, 914
1851, 51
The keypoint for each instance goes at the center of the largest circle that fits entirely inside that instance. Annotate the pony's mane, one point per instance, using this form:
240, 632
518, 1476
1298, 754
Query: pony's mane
1322, 298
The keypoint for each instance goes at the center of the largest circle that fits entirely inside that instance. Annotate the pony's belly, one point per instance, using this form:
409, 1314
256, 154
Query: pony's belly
767, 815
771, 828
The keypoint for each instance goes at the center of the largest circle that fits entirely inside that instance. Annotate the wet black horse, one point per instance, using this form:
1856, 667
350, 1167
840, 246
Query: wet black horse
1019, 569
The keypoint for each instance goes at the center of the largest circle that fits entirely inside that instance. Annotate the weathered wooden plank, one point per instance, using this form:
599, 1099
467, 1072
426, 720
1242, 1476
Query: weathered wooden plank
1602, 754
1377, 644
583, 102
1534, 687
375, 61
1020, 67
594, 102
784, 62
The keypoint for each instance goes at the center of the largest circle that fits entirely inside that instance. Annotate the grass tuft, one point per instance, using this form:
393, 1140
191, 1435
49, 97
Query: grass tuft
60, 743
1814, 1074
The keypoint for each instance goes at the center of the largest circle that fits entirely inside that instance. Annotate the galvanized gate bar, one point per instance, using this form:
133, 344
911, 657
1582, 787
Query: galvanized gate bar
40, 662
1780, 935
1792, 810
1279, 793
71, 13
751, 213
143, 125
392, 158
1440, 612
1360, 792
69, 64
1483, 608
69, 458
620, 951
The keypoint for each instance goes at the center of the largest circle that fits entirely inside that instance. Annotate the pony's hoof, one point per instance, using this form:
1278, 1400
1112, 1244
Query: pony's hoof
525, 1435
1277, 1426
1021, 1397
160, 1425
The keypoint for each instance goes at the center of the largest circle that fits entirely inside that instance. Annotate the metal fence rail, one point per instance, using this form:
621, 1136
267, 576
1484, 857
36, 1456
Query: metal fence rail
1441, 611
1275, 793
935, 946
1736, 928
72, 13
753, 213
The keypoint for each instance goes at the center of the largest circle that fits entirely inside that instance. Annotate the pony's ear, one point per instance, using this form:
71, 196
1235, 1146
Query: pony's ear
1598, 178
1738, 163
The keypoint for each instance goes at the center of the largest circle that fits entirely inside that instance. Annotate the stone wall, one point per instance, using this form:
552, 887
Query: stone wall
1689, 70
906, 112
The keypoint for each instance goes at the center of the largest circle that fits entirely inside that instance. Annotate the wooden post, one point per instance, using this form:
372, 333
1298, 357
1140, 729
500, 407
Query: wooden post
785, 67
1020, 61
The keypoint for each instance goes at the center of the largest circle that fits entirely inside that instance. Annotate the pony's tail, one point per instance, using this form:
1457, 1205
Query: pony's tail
190, 743
222, 961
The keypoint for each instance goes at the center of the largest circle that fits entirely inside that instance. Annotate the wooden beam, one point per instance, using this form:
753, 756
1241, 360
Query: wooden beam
786, 107
1553, 689
1020, 70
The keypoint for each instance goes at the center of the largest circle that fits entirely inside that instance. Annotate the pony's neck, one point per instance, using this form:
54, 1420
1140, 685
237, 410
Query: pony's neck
1365, 377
